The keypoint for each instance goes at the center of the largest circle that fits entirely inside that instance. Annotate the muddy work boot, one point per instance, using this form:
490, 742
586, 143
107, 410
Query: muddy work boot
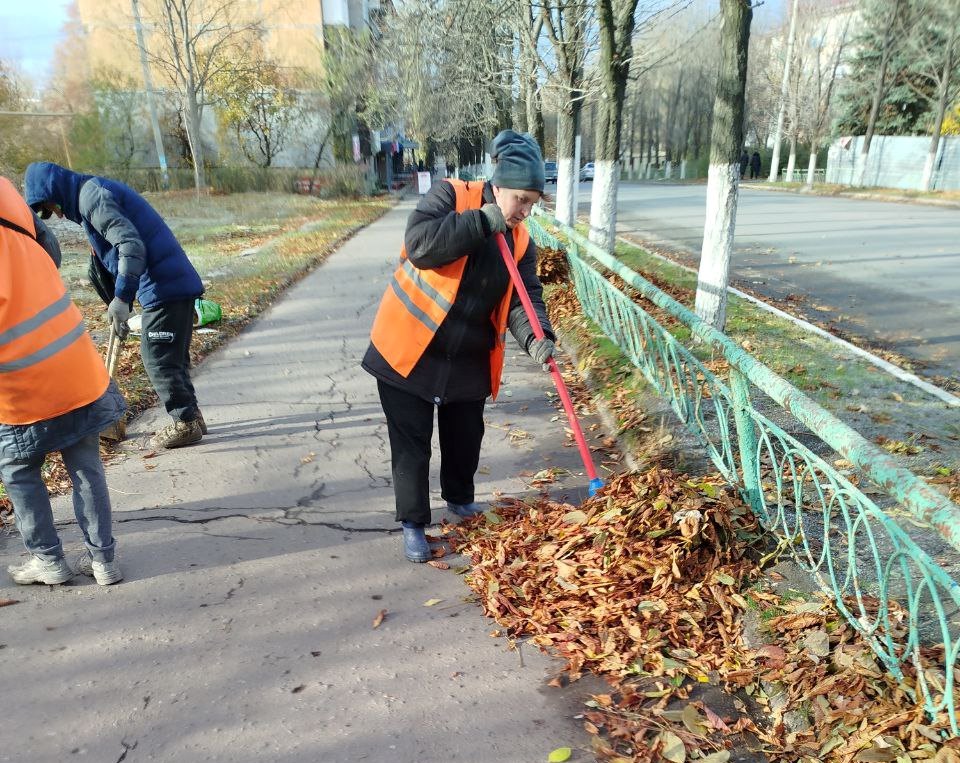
203, 424
105, 573
177, 434
36, 570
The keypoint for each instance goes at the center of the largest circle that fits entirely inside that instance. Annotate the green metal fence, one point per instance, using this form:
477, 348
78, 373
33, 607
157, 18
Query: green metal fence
889, 588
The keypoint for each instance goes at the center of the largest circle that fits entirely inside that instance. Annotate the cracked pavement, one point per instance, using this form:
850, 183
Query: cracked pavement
256, 561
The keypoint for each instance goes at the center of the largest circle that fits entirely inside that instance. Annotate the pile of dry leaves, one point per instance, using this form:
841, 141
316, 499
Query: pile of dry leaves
647, 584
552, 266
567, 316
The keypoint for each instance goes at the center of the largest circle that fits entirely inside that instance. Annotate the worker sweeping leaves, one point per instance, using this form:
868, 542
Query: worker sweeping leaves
140, 258
55, 395
438, 339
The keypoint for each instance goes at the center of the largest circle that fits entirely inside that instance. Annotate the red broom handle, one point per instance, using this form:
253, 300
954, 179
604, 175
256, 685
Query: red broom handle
554, 370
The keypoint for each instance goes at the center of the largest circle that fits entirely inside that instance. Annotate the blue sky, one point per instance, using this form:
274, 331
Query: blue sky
29, 32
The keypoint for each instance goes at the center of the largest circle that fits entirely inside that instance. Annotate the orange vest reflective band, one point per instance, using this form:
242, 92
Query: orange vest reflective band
48, 363
417, 301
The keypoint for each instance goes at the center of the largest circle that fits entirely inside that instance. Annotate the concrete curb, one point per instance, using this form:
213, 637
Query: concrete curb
856, 196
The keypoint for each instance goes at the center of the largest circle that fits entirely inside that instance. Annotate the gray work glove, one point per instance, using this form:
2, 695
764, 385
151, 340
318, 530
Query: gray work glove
118, 312
494, 217
541, 350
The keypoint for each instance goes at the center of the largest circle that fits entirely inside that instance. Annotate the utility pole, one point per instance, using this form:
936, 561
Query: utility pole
784, 92
148, 83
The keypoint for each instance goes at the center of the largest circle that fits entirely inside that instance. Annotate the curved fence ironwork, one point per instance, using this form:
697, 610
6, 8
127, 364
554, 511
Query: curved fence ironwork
889, 588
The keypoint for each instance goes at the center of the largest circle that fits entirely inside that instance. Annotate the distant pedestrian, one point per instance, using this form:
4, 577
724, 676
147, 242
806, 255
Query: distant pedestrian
744, 161
755, 165
437, 344
55, 395
139, 256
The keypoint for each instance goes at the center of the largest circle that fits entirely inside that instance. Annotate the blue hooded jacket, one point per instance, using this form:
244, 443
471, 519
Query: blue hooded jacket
128, 235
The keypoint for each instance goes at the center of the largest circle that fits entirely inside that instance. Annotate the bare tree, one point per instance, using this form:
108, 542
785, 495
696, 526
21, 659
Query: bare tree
932, 44
763, 89
198, 41
566, 23
451, 65
784, 92
670, 92
798, 75
819, 93
617, 20
68, 88
531, 31
14, 146
724, 175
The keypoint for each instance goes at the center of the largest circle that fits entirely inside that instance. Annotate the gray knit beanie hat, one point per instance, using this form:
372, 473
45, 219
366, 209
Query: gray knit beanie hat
518, 162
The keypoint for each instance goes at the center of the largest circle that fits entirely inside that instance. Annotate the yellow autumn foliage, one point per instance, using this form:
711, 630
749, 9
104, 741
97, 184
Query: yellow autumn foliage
951, 122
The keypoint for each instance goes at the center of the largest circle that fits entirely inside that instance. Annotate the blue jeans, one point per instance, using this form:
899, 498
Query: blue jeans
91, 501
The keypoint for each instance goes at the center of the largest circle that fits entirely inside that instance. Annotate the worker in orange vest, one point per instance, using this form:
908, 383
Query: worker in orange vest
55, 395
438, 339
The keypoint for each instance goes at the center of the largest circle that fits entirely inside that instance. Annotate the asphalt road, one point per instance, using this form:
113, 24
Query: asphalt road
887, 272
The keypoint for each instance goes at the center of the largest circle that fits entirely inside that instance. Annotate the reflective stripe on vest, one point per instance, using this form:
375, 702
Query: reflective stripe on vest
48, 363
417, 301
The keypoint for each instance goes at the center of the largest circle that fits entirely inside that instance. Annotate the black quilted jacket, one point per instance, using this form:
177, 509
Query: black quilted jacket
456, 365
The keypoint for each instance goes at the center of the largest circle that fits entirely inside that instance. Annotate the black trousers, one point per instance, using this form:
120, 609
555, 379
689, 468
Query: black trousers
410, 426
165, 335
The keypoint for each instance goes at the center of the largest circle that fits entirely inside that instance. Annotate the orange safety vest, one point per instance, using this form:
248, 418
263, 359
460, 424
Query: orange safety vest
48, 363
417, 301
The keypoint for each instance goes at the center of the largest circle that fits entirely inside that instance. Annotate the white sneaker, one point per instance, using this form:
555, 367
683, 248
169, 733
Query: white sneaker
105, 573
36, 570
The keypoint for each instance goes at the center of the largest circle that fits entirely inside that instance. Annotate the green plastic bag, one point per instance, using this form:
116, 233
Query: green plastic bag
206, 311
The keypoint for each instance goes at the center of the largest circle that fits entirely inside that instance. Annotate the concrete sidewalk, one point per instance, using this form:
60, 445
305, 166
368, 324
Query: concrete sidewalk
257, 560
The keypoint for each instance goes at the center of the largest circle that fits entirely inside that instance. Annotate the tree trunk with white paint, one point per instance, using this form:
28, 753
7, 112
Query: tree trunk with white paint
616, 21
926, 180
603, 204
723, 177
811, 166
792, 160
567, 171
565, 25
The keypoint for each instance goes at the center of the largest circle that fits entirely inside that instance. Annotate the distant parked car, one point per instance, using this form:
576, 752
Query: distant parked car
550, 172
586, 171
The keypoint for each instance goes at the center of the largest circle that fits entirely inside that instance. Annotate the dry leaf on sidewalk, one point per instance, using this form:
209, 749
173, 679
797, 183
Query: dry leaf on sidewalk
381, 615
